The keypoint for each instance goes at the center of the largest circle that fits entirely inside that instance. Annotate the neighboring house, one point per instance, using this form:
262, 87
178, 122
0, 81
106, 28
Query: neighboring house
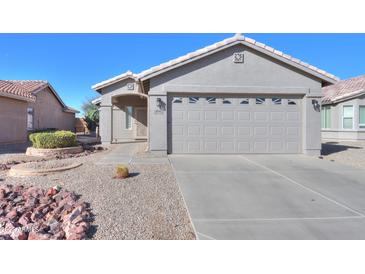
343, 110
26, 106
235, 96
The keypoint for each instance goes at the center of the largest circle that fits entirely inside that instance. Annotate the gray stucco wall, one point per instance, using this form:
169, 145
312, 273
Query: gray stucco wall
336, 131
218, 73
112, 111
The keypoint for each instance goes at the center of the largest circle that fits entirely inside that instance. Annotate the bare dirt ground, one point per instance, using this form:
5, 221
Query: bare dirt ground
147, 205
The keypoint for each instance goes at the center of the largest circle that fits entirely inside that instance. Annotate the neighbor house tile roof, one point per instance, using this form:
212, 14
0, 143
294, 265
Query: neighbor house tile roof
212, 48
27, 88
21, 88
343, 90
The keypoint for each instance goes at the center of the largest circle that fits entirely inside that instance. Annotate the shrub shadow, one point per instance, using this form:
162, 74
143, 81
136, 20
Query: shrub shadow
334, 147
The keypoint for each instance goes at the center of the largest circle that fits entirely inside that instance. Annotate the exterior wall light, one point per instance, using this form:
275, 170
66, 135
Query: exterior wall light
159, 103
316, 105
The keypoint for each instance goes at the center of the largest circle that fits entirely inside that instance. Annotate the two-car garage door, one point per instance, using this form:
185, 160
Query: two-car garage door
236, 124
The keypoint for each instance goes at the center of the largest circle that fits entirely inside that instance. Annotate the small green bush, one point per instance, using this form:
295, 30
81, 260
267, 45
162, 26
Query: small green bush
57, 139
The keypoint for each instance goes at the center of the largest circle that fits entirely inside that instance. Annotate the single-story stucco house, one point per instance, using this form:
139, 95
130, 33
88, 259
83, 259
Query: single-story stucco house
235, 96
343, 110
26, 106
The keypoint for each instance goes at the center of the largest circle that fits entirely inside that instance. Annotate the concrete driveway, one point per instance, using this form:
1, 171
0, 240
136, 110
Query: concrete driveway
271, 197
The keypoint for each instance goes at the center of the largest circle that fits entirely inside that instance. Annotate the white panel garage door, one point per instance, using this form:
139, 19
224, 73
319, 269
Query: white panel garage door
214, 124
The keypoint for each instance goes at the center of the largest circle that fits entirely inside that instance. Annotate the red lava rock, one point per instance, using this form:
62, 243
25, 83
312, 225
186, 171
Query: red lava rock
25, 218
12, 214
2, 193
35, 214
39, 236
18, 234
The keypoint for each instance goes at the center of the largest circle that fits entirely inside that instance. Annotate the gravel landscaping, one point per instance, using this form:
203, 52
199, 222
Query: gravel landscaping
147, 205
345, 152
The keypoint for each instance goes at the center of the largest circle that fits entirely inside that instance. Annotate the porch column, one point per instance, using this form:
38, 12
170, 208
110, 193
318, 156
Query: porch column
312, 142
106, 119
157, 123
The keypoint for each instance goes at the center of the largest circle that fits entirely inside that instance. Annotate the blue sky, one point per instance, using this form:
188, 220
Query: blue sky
74, 62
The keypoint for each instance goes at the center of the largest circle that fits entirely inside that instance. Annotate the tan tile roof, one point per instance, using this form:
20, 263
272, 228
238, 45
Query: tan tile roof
207, 50
21, 88
343, 90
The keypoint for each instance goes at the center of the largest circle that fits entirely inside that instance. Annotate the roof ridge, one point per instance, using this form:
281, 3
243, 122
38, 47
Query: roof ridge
236, 38
230, 40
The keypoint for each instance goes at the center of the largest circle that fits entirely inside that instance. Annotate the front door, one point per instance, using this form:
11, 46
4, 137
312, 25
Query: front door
141, 123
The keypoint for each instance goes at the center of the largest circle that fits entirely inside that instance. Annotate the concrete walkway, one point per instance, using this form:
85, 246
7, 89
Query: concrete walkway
130, 153
272, 197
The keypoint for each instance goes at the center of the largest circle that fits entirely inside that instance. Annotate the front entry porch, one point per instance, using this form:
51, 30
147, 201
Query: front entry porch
129, 118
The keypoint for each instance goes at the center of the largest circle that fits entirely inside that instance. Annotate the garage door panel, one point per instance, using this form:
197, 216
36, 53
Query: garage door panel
244, 116
244, 132
228, 131
277, 131
211, 132
193, 131
211, 147
260, 146
277, 146
193, 146
244, 147
227, 115
260, 116
194, 115
277, 116
292, 116
227, 147
216, 124
260, 132
211, 116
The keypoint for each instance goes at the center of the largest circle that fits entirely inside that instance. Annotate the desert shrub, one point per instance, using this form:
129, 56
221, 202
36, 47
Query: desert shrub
57, 139
122, 172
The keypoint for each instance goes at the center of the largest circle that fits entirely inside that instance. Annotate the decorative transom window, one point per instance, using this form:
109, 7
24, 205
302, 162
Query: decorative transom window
177, 100
226, 101
211, 100
244, 102
276, 101
193, 100
348, 117
260, 101
291, 102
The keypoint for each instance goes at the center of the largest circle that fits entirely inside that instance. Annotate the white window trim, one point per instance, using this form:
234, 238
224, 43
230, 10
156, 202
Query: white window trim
361, 126
324, 118
353, 117
32, 110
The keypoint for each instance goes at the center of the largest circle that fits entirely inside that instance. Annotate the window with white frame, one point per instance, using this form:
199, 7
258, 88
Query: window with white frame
326, 116
348, 117
30, 118
361, 116
128, 117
